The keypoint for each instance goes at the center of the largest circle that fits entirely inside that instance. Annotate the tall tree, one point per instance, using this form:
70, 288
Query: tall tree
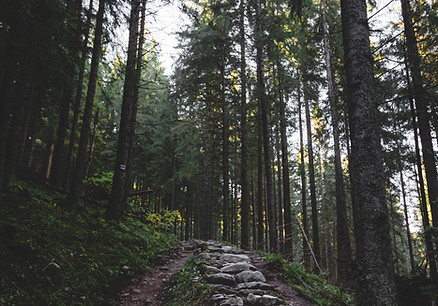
81, 162
313, 203
343, 258
243, 133
306, 251
263, 109
72, 39
78, 96
288, 239
422, 191
124, 146
424, 118
374, 262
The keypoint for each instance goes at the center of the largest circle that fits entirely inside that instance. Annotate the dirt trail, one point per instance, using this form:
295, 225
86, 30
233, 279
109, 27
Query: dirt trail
149, 288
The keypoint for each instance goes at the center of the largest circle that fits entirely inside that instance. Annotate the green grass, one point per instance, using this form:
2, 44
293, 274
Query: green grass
188, 287
317, 290
53, 256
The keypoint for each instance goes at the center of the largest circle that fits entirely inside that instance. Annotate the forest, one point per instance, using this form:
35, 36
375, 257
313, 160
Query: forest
305, 128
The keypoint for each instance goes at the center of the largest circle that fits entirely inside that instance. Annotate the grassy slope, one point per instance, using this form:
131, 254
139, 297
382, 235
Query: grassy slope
313, 287
53, 256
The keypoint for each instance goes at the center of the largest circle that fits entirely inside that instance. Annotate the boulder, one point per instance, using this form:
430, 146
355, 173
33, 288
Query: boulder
211, 270
254, 299
221, 278
237, 267
233, 258
254, 285
250, 276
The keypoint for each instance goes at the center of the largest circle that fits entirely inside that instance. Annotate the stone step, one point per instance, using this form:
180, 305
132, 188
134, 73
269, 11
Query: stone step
233, 279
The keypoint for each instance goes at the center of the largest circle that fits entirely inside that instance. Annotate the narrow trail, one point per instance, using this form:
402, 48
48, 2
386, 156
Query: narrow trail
237, 277
149, 287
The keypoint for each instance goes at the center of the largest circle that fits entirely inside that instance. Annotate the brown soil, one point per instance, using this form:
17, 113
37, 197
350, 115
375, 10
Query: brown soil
148, 288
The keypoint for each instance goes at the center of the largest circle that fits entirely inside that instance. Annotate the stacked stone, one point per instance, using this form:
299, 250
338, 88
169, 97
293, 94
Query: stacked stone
233, 279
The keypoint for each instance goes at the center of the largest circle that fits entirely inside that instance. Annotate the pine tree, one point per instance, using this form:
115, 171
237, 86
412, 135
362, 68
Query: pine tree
375, 274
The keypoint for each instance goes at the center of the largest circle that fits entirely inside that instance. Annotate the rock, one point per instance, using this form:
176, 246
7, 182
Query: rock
217, 297
250, 276
265, 299
204, 255
271, 300
237, 267
211, 270
221, 278
254, 285
233, 258
232, 300
253, 298
230, 249
223, 289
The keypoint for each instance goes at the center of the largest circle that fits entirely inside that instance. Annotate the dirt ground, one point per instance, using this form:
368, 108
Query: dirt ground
150, 287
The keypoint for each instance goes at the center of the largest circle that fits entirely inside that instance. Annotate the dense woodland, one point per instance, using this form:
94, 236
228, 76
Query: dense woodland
282, 128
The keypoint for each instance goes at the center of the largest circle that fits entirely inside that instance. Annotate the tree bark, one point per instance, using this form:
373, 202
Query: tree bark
424, 118
343, 245
306, 250
72, 40
244, 205
374, 262
288, 239
315, 226
78, 98
280, 218
225, 155
422, 191
117, 200
263, 109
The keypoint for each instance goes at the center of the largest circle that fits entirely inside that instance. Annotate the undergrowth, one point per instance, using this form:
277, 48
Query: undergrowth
188, 287
314, 288
50, 255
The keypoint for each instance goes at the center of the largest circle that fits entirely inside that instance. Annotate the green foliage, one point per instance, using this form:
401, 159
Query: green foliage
316, 289
164, 220
188, 286
54, 256
99, 185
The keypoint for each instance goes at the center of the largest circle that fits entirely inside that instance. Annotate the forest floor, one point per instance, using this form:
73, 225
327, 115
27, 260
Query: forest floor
151, 287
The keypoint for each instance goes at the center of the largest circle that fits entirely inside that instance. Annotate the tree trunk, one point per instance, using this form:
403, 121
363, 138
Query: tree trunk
408, 230
263, 109
244, 205
288, 239
133, 119
79, 172
315, 226
343, 250
58, 163
280, 218
423, 200
124, 144
422, 103
306, 250
260, 187
374, 262
206, 221
78, 98
225, 156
